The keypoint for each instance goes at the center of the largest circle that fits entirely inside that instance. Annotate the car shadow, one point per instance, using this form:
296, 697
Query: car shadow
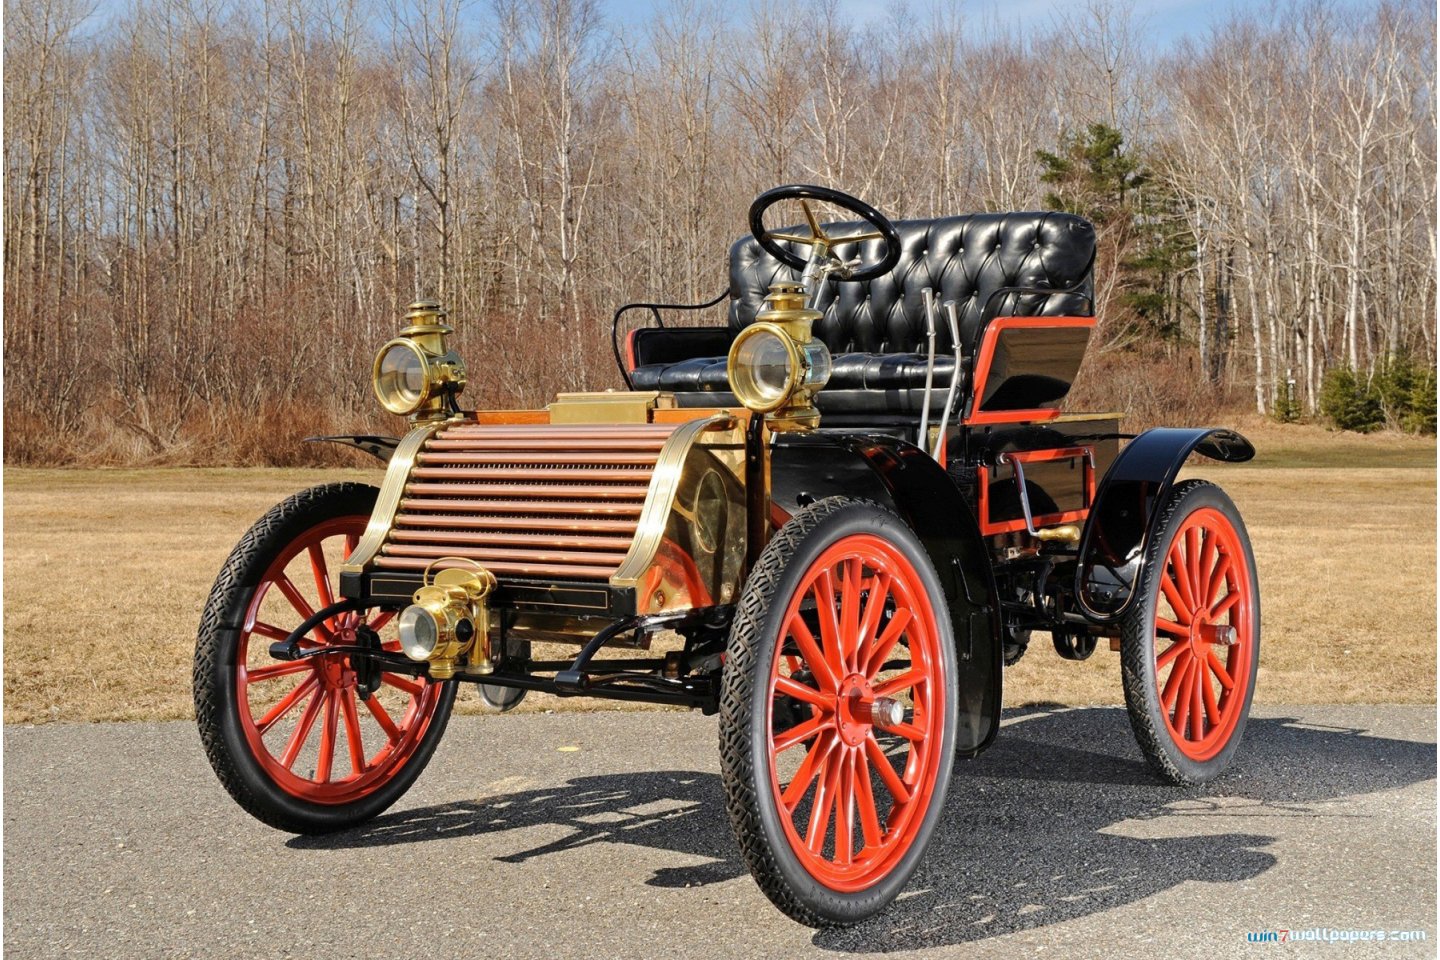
1025, 840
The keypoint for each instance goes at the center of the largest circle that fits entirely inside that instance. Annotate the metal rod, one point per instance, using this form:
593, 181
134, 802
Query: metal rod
954, 321
1024, 494
289, 648
928, 296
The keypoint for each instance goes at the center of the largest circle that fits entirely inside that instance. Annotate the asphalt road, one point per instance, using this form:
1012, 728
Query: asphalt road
120, 843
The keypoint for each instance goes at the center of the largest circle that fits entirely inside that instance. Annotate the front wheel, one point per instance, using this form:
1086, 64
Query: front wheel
299, 744
838, 712
1190, 645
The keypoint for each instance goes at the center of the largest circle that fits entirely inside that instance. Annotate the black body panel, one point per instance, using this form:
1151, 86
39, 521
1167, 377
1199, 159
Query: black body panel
898, 475
1123, 518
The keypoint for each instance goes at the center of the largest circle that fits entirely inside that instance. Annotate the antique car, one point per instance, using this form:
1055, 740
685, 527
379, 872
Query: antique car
832, 521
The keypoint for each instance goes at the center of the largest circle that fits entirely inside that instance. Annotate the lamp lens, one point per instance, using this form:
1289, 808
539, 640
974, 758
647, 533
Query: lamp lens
400, 378
419, 633
762, 369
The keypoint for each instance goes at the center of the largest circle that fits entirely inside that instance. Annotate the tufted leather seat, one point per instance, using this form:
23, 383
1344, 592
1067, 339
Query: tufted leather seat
990, 264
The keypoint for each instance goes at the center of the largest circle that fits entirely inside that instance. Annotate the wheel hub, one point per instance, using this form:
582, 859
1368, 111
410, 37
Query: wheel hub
853, 714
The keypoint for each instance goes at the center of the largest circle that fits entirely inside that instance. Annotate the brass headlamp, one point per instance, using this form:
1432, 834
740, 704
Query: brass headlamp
449, 619
776, 366
415, 374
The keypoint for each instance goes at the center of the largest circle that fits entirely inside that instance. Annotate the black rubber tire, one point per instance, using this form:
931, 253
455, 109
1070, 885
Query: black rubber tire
1137, 642
744, 735
216, 706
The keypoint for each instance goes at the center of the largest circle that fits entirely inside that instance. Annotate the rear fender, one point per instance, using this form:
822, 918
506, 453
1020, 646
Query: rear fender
1123, 518
809, 467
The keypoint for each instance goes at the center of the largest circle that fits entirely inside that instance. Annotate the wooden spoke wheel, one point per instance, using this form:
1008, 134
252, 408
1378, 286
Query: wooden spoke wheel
838, 712
1191, 642
305, 745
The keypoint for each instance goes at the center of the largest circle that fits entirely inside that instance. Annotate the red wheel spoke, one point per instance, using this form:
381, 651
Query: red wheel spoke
352, 734
1217, 581
845, 811
269, 631
887, 773
1221, 674
302, 606
1170, 626
1172, 685
1212, 706
383, 719
1180, 571
1197, 706
893, 631
1205, 567
794, 688
905, 681
1175, 649
810, 767
823, 591
824, 802
874, 610
1194, 539
1183, 698
1223, 607
800, 632
352, 540
287, 703
412, 687
799, 733
322, 575
1177, 603
909, 731
850, 614
325, 762
272, 670
302, 730
865, 802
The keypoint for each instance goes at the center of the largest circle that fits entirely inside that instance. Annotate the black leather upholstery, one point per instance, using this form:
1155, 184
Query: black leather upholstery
877, 329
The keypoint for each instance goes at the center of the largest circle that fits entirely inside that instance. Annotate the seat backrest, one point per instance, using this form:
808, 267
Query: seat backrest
966, 259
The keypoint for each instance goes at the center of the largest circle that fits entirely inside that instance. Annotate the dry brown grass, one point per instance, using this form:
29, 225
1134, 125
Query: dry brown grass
106, 572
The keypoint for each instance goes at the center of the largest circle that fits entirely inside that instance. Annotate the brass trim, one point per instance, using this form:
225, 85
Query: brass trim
608, 406
397, 475
664, 485
690, 536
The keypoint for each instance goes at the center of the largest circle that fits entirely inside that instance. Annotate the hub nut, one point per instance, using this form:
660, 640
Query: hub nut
887, 713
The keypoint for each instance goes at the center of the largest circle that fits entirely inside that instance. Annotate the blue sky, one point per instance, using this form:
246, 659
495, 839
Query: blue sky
1166, 20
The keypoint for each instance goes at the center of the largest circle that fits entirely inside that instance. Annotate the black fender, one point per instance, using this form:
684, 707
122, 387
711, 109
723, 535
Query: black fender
381, 448
1122, 519
812, 466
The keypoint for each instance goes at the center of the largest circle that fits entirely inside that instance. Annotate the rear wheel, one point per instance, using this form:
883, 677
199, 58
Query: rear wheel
1190, 645
838, 712
301, 744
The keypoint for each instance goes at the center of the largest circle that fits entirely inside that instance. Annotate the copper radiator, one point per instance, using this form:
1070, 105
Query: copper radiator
552, 502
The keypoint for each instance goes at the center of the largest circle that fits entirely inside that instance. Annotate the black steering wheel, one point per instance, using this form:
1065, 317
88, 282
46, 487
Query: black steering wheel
884, 230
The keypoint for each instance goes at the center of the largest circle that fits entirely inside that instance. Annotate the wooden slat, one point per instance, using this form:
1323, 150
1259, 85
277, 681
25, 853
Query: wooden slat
528, 473
548, 541
502, 568
594, 557
607, 456
532, 490
617, 527
479, 505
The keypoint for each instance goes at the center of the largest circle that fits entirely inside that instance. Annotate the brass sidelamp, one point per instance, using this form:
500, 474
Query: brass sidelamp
776, 365
416, 374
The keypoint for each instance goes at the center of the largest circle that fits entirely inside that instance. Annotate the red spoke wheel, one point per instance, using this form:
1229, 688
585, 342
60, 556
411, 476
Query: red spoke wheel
296, 743
1191, 642
838, 712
